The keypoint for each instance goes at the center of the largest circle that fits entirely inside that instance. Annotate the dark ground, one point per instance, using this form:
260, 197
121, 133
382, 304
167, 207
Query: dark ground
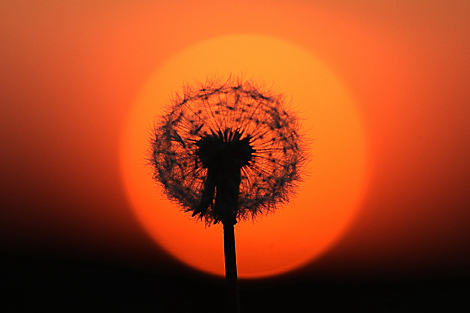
34, 284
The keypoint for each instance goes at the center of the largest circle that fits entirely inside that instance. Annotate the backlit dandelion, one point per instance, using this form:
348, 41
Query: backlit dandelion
216, 128
227, 151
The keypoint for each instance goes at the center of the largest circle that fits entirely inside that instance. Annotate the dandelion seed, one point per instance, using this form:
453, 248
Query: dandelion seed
253, 130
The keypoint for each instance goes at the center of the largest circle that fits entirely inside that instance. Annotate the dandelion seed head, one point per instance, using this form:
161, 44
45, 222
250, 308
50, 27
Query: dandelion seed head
226, 124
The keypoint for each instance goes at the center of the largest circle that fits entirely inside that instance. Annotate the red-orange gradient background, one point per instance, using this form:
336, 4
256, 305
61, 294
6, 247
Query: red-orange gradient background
70, 71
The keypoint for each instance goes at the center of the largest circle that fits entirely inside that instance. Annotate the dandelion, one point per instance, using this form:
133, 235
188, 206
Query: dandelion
227, 151
227, 137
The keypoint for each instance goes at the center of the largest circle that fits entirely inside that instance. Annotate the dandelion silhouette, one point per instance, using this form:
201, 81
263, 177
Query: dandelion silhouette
227, 151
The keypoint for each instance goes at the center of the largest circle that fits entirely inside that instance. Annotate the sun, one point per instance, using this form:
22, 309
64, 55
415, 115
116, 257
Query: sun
336, 174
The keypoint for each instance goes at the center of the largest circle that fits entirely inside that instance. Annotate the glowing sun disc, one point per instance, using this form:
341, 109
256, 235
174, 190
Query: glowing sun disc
326, 200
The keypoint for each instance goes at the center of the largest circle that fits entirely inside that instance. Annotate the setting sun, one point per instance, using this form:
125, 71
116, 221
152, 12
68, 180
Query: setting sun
335, 175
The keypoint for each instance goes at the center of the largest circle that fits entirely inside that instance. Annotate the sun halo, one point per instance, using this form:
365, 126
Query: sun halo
326, 201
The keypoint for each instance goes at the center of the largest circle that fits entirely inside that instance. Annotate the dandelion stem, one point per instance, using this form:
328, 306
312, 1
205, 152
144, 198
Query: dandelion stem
226, 203
231, 268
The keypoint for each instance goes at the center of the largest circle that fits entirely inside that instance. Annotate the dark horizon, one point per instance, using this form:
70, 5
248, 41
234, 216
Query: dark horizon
37, 283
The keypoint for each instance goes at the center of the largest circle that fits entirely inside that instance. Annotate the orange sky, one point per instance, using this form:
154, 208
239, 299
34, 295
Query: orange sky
70, 73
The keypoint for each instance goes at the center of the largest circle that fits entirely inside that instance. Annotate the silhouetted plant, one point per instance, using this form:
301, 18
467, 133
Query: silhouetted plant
227, 151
